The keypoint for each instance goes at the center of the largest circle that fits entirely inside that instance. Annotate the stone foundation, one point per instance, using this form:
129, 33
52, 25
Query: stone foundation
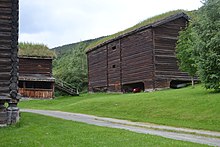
10, 115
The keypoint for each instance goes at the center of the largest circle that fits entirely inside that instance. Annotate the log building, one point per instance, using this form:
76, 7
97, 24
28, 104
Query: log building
35, 77
8, 62
143, 58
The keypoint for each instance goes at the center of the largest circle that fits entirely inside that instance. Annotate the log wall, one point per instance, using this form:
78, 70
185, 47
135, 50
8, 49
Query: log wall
166, 67
114, 66
8, 48
124, 61
33, 66
97, 73
137, 61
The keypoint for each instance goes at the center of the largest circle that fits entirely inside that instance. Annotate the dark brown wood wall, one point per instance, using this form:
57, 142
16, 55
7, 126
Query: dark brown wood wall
165, 38
114, 66
124, 61
97, 73
137, 61
32, 66
8, 47
147, 56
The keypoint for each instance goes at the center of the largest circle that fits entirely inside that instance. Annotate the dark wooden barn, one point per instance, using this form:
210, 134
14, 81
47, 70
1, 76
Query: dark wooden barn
8, 61
35, 77
143, 58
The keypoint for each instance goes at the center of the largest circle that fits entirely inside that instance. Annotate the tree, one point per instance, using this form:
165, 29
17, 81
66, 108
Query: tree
72, 67
207, 31
198, 47
185, 52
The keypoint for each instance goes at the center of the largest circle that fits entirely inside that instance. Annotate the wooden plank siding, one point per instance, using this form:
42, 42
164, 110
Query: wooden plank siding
97, 74
8, 47
137, 61
114, 66
35, 66
36, 93
145, 55
166, 68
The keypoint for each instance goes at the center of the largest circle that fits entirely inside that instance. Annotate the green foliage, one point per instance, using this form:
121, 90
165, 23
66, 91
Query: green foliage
187, 107
34, 49
185, 51
198, 46
41, 131
139, 25
71, 64
207, 29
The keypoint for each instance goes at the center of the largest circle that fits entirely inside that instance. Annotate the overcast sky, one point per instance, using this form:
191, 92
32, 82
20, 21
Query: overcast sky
59, 22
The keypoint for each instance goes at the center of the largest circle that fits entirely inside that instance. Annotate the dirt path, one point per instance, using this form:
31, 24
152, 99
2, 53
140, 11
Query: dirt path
191, 135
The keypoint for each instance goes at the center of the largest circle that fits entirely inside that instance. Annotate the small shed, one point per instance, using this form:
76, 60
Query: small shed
35, 77
142, 58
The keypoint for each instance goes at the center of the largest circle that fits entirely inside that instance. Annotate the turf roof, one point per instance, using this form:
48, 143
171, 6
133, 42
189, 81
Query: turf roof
35, 50
135, 27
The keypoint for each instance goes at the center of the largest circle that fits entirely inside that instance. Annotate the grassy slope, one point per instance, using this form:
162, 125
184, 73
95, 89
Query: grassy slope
37, 130
187, 107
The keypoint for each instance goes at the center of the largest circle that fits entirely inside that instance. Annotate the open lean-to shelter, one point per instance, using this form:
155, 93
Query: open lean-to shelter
143, 58
8, 62
35, 77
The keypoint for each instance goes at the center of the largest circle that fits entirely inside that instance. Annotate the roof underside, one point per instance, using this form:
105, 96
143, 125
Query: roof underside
36, 78
35, 57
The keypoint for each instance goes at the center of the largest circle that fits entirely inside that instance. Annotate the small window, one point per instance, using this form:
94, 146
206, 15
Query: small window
113, 66
114, 48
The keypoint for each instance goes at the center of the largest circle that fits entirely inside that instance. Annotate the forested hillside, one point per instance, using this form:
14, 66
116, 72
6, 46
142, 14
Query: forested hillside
71, 64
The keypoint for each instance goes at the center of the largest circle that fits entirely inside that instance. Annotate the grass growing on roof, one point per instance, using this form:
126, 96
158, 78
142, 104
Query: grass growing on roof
35, 49
187, 107
141, 24
38, 130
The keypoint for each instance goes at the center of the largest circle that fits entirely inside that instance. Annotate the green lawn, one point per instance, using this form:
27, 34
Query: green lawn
41, 131
187, 107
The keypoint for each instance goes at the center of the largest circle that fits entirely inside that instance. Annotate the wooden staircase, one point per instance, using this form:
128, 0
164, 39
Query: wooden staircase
67, 88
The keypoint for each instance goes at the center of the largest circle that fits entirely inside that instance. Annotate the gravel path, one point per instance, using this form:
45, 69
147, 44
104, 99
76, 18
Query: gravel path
190, 135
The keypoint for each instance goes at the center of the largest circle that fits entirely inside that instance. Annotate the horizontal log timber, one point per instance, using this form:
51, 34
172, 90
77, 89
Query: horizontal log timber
5, 75
114, 75
98, 84
138, 62
5, 48
137, 54
100, 68
145, 58
164, 52
104, 76
137, 69
5, 41
4, 89
171, 73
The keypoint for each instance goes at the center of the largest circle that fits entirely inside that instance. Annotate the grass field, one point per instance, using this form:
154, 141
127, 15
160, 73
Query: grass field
187, 107
42, 131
